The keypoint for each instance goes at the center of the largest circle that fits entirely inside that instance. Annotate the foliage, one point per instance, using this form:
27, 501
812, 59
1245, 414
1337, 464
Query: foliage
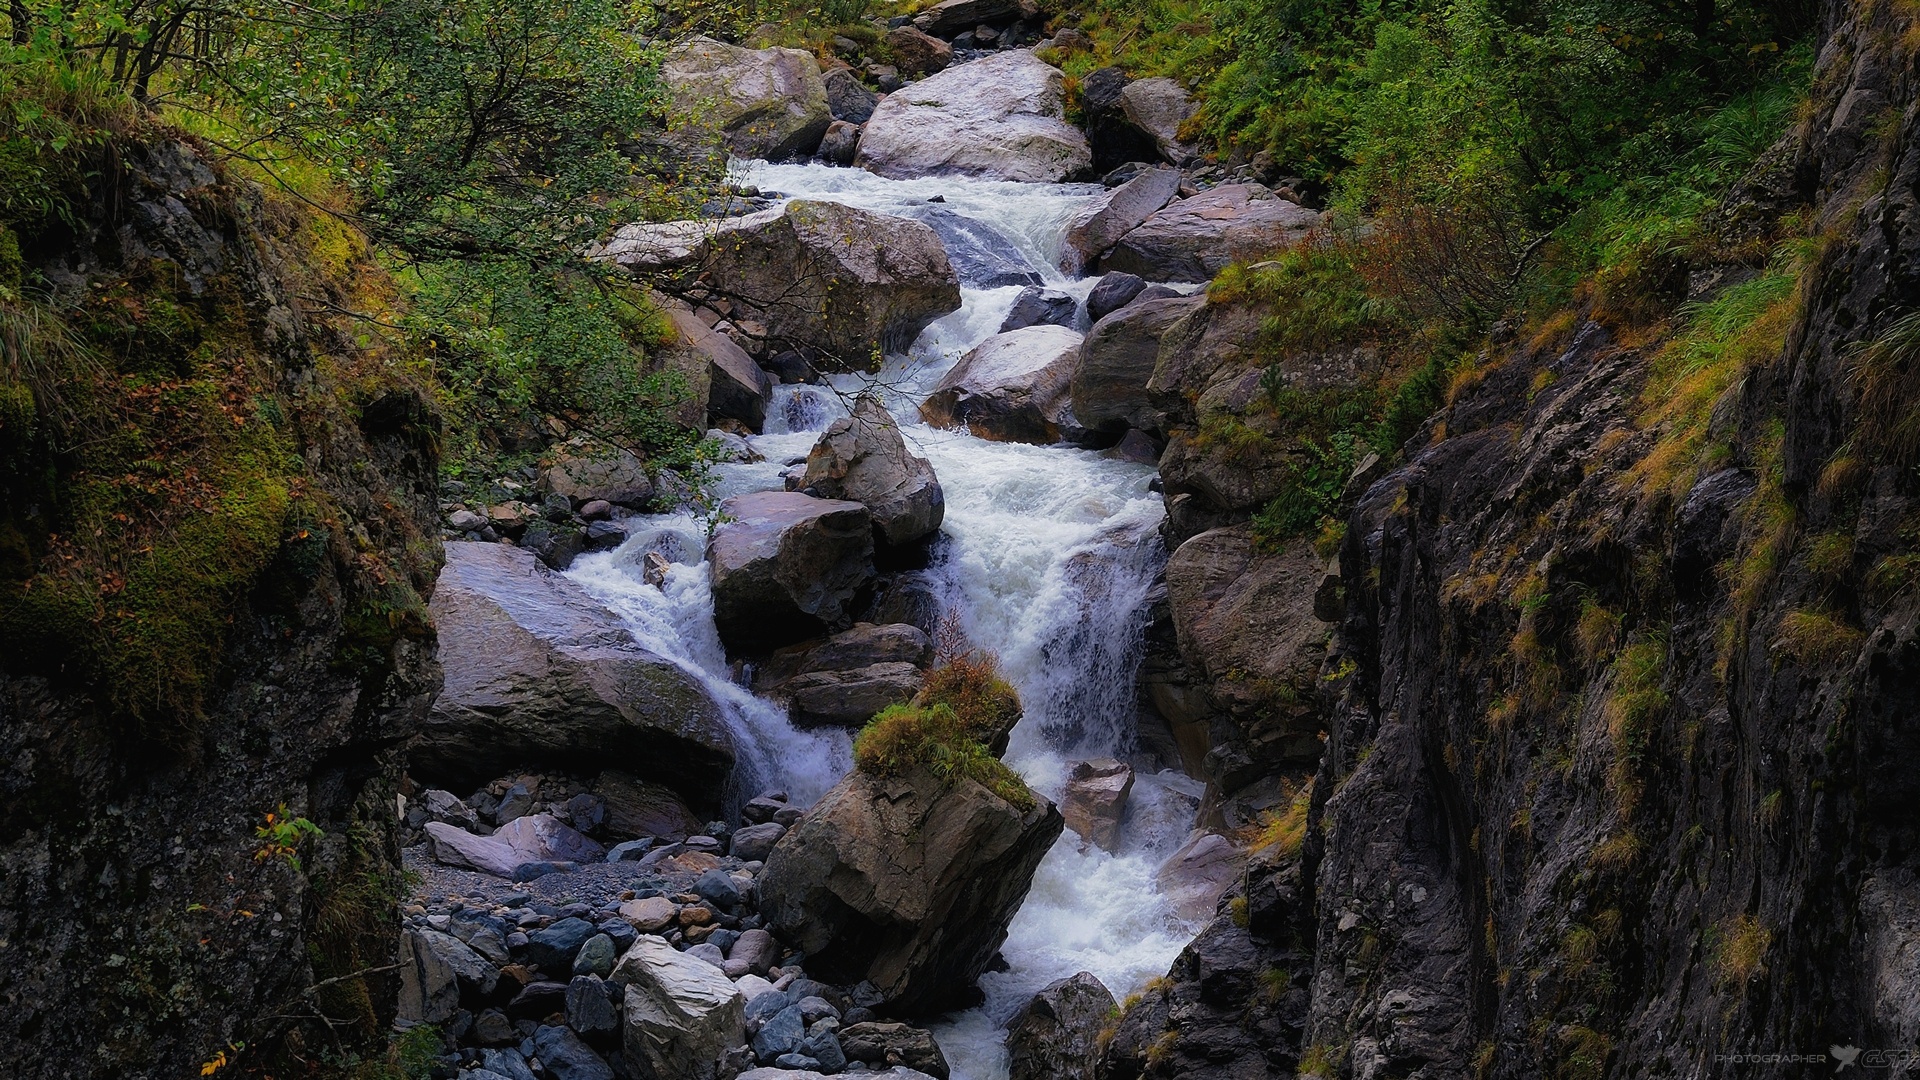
907, 737
986, 705
1286, 830
1634, 701
1741, 948
1314, 293
281, 836
1817, 639
1886, 372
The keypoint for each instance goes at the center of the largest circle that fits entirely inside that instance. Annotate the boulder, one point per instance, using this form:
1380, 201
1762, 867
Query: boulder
536, 838
565, 1057
876, 1043
1095, 800
1056, 1035
950, 17
649, 914
863, 645
839, 144
983, 256
1012, 387
435, 967
737, 389
583, 473
862, 458
1036, 306
898, 1072
1109, 383
822, 276
1192, 239
636, 807
752, 843
847, 99
682, 1016
1193, 879
1101, 223
850, 698
916, 52
1002, 118
766, 103
1113, 292
537, 673
1158, 106
1115, 139
908, 882
785, 566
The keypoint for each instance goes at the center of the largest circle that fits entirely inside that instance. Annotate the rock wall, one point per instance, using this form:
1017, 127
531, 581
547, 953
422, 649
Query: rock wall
146, 927
1618, 749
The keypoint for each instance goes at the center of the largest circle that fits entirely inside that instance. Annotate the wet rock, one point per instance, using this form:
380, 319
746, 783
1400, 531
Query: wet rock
1158, 106
878, 1043
1095, 800
1036, 306
1192, 239
850, 698
781, 1034
863, 458
838, 145
1116, 141
1001, 118
982, 256
766, 103
595, 957
786, 567
736, 387
1195, 877
1012, 387
681, 1015
823, 276
916, 52
950, 17
552, 950
584, 474
847, 98
907, 882
1056, 1035
1113, 292
864, 645
1109, 384
1101, 223
537, 672
636, 807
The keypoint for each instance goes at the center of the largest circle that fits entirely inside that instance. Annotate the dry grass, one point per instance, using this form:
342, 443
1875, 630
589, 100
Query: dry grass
986, 705
1816, 638
1286, 831
1741, 952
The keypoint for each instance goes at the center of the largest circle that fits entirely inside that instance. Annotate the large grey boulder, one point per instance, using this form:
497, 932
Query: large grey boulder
1003, 118
847, 98
862, 458
1194, 878
539, 674
1109, 383
586, 472
1012, 387
1056, 1035
850, 698
1101, 223
682, 1015
737, 388
434, 969
1192, 239
1038, 306
821, 275
765, 103
950, 17
1158, 106
850, 676
861, 646
877, 1042
785, 567
536, 838
907, 881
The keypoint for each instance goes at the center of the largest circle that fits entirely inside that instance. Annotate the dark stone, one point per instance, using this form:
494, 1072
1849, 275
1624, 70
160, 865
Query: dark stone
590, 1009
1036, 306
781, 1034
565, 1057
553, 949
1113, 292
717, 888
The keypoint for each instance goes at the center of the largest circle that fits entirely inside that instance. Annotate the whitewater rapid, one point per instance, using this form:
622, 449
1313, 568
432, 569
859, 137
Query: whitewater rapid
1048, 557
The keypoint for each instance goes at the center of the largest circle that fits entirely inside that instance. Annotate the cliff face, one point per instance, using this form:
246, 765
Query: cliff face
216, 554
1625, 700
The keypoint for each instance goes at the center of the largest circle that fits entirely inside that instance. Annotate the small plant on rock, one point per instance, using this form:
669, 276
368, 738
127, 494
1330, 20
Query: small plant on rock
281, 836
907, 737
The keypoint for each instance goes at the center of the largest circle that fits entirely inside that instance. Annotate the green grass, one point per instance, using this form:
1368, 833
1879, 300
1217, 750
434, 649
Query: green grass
903, 738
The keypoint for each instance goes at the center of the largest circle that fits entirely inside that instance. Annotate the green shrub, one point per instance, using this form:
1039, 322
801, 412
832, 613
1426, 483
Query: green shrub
907, 737
986, 705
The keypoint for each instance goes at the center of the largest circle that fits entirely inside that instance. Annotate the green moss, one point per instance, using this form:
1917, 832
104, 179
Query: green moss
903, 738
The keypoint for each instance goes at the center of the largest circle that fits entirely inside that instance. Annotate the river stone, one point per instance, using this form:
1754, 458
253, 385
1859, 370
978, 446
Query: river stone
766, 103
1102, 222
537, 673
565, 1057
781, 1034
847, 98
875, 1041
649, 914
1037, 306
681, 1013
537, 838
838, 145
864, 645
822, 276
1158, 106
589, 1010
950, 17
1109, 383
1111, 293
752, 843
584, 474
862, 458
1095, 799
983, 257
1192, 239
1001, 118
756, 948
434, 969
907, 882
898, 1072
595, 957
916, 52
552, 950
1056, 1035
737, 389
1012, 387
786, 566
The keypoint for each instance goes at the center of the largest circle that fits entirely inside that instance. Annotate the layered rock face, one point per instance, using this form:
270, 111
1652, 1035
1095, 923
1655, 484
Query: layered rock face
906, 882
1610, 786
1193, 239
142, 934
538, 673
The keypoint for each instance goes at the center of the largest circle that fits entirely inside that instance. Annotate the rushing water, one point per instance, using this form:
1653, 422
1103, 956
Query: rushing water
1049, 555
